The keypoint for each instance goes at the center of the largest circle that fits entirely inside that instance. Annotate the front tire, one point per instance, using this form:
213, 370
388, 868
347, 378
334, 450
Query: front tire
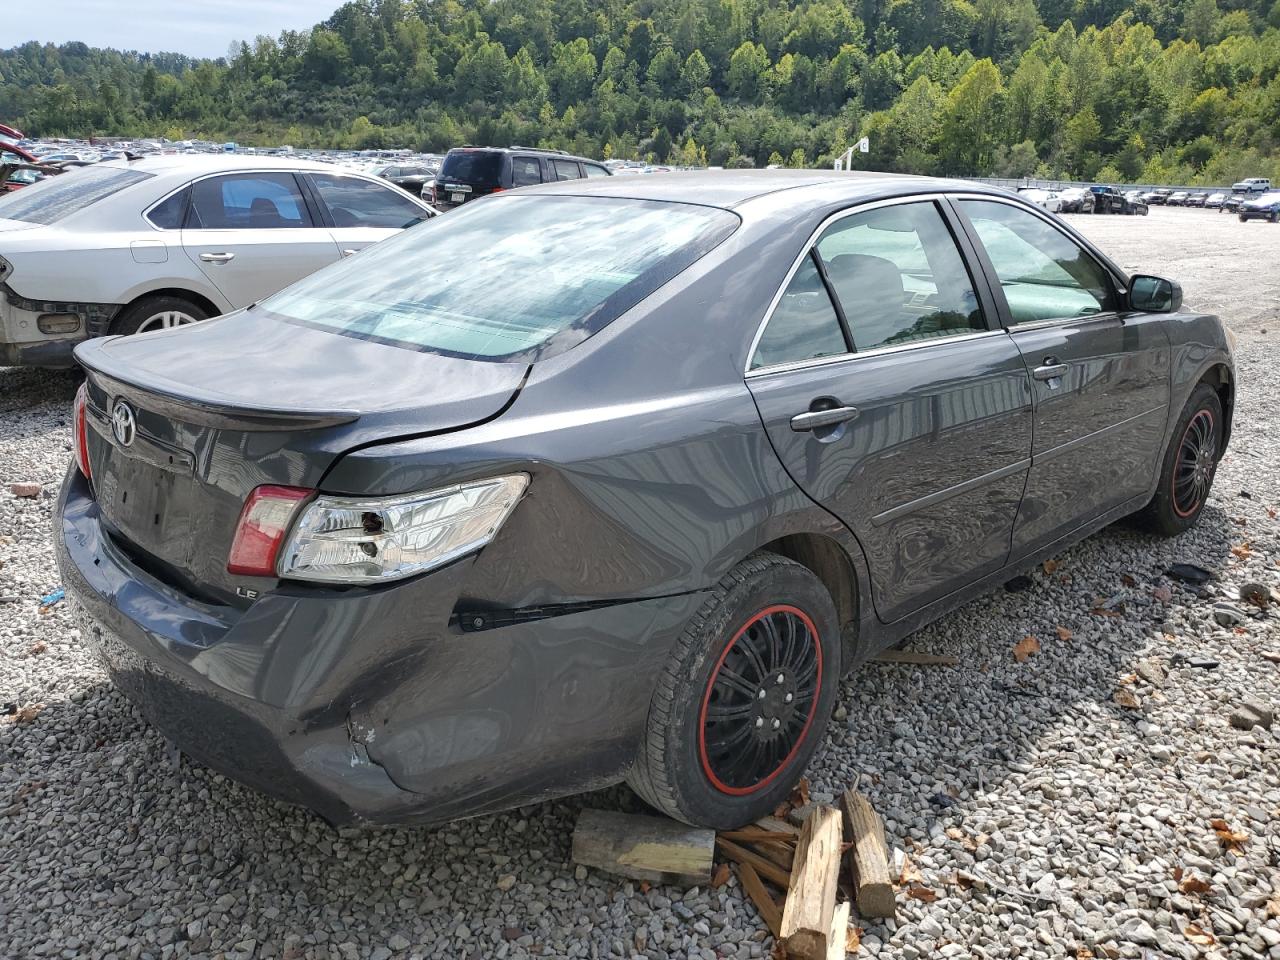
1190, 462
158, 313
744, 699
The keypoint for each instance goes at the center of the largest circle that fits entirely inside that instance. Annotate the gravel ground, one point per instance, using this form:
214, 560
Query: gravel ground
1049, 818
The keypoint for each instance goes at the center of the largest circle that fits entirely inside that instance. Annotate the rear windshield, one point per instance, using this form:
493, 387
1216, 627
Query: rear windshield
509, 278
56, 197
482, 167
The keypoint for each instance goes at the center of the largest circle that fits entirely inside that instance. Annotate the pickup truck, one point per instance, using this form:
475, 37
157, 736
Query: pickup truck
1252, 185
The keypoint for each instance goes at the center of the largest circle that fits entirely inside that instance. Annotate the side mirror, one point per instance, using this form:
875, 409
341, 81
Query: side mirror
1154, 295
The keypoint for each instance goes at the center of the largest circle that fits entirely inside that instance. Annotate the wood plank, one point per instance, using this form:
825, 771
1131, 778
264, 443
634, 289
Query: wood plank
919, 659
811, 897
839, 932
756, 835
769, 910
761, 864
868, 857
644, 848
777, 825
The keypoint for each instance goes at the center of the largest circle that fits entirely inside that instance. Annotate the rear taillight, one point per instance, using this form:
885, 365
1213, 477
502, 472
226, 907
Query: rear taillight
263, 524
82, 431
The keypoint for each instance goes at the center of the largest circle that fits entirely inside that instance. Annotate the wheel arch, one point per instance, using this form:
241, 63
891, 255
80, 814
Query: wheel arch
183, 293
828, 561
1220, 378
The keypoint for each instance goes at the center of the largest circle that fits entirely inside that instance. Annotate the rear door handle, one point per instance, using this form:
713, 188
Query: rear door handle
1049, 371
348, 252
217, 257
818, 419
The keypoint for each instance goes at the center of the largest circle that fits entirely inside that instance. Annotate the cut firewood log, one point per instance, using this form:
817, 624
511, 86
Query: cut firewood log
769, 910
919, 659
839, 932
644, 848
777, 825
760, 863
868, 857
776, 845
811, 897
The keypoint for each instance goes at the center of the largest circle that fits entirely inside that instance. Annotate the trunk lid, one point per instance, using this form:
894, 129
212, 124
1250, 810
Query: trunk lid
229, 404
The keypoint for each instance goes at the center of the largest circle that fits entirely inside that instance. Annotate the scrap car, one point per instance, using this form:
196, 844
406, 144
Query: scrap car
404, 550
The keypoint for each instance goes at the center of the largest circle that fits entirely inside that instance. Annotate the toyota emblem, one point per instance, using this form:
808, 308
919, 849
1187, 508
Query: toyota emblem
123, 424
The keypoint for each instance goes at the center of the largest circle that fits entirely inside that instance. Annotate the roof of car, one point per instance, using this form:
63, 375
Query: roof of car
201, 163
729, 188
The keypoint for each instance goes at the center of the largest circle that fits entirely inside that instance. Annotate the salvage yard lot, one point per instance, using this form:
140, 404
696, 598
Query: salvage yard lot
1050, 806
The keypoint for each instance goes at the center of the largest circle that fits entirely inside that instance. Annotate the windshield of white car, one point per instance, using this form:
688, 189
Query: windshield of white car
511, 278
55, 198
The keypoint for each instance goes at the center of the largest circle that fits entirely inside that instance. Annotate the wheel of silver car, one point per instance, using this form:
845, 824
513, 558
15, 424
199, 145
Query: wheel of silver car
166, 320
1189, 465
744, 699
165, 312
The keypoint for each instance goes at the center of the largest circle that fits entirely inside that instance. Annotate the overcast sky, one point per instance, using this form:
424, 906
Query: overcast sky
204, 28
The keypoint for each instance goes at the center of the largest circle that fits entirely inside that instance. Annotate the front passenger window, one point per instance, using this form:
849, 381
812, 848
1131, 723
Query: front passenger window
1044, 274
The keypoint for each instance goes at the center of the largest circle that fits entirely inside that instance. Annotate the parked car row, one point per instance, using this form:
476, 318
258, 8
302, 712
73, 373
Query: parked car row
596, 482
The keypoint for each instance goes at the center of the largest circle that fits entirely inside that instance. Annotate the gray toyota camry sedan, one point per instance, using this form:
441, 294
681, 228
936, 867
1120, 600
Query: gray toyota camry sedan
613, 479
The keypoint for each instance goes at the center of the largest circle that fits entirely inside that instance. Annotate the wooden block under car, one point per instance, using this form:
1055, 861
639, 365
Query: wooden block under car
644, 848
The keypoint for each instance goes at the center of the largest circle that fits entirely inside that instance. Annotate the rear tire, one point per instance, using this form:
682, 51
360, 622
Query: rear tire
763, 652
1190, 462
158, 313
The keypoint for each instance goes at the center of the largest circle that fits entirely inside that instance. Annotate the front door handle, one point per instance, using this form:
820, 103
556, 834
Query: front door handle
818, 419
1050, 370
217, 257
348, 252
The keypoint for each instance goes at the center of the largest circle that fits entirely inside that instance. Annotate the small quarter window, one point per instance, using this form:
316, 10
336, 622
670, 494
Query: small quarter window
595, 170
168, 214
804, 325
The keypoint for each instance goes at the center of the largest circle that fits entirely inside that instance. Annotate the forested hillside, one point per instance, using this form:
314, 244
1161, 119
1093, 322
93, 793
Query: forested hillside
1151, 90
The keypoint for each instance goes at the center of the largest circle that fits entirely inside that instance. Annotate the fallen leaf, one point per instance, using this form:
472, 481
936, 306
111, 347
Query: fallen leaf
721, 876
645, 887
923, 894
800, 794
1083, 953
1108, 612
1127, 580
1193, 884
909, 874
1163, 593
963, 881
955, 833
1239, 631
1129, 678
1271, 513
29, 787
1025, 648
853, 939
1197, 936
1242, 551
1126, 698
38, 648
28, 713
1050, 566
1064, 634
1230, 839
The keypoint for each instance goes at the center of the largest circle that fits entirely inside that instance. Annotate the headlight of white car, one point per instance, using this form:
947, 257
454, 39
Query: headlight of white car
372, 540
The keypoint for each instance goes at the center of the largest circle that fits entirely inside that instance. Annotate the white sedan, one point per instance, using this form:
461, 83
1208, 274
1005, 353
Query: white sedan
1046, 199
130, 246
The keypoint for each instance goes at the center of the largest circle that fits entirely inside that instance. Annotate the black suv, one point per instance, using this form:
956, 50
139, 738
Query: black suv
471, 172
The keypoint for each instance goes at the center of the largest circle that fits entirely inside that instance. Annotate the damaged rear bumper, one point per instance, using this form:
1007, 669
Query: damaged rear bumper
369, 705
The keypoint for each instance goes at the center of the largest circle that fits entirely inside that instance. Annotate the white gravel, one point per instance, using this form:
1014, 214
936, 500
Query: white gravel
1047, 818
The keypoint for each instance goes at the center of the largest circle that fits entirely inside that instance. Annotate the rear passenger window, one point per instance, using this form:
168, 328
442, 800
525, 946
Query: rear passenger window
567, 170
1043, 273
804, 325
525, 171
251, 201
899, 276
